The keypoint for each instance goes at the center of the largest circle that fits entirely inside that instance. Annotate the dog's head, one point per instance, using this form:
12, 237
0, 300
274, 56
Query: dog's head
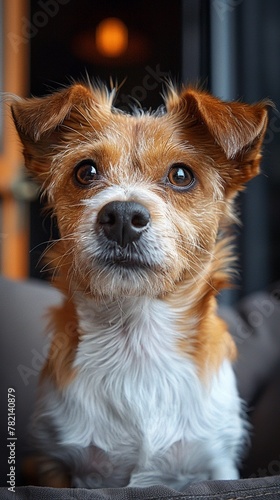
139, 198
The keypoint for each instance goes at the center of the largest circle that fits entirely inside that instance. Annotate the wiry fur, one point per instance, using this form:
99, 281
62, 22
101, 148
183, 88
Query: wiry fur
138, 386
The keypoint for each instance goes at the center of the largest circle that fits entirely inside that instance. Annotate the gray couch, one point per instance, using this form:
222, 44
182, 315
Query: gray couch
256, 328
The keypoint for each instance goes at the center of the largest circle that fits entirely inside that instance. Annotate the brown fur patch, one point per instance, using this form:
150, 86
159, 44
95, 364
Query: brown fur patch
41, 471
212, 344
205, 337
65, 339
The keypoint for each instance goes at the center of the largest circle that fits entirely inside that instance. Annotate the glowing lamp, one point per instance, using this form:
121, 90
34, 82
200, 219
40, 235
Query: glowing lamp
111, 37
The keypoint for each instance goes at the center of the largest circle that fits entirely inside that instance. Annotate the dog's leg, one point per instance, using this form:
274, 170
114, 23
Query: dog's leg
224, 470
147, 478
151, 478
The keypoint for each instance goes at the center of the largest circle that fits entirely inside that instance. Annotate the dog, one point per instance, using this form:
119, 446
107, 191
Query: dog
138, 388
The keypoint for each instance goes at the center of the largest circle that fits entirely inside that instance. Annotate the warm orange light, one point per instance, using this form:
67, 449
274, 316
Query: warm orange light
111, 37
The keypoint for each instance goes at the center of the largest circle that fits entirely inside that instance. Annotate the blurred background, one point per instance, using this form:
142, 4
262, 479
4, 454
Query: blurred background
232, 47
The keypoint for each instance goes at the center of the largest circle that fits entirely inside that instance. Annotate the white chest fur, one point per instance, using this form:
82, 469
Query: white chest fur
138, 404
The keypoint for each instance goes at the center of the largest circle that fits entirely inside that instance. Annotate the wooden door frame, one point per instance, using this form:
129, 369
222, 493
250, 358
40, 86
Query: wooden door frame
15, 70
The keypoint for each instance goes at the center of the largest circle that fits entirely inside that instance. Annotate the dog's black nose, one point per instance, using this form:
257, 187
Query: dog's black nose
123, 221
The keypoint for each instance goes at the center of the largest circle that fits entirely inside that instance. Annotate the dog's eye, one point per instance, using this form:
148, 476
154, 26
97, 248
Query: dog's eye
181, 176
86, 172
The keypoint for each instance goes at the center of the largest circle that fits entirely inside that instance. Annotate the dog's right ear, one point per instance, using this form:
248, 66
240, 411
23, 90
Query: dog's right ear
39, 121
237, 129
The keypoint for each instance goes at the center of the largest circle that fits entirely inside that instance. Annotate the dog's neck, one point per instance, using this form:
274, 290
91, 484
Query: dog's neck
142, 326
138, 325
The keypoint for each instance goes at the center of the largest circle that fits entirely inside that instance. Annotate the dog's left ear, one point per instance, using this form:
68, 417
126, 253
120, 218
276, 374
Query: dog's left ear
238, 129
39, 122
